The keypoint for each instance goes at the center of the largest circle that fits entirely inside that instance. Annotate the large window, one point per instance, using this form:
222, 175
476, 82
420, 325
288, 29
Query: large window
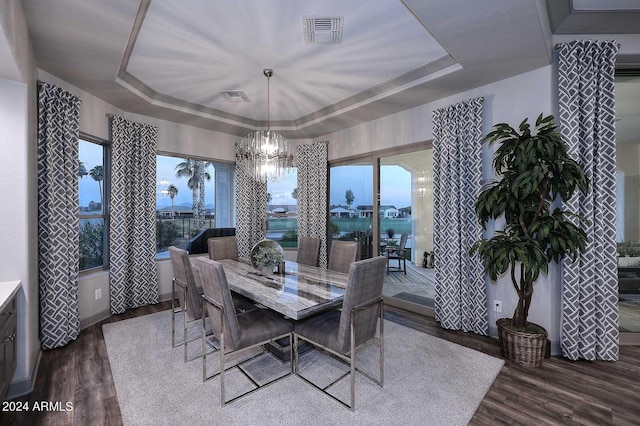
93, 187
282, 210
184, 200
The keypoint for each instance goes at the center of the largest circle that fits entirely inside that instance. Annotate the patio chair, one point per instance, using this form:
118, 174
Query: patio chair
397, 253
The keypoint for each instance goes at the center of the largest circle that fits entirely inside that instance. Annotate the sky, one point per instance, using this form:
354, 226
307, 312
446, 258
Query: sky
395, 183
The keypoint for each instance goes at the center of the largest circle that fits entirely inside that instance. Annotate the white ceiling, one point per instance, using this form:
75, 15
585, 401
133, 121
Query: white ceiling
171, 59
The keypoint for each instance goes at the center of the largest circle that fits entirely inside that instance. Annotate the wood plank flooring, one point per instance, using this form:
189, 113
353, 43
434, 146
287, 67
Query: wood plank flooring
561, 392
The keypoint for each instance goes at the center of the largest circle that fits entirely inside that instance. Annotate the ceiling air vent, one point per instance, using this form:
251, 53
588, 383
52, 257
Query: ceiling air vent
322, 29
235, 96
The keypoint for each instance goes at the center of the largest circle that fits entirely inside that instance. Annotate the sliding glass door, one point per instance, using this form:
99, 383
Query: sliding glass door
405, 212
351, 205
377, 206
628, 205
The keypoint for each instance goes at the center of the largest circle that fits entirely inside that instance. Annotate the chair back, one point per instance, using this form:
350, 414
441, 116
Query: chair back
403, 241
342, 254
364, 285
216, 288
183, 274
308, 251
223, 248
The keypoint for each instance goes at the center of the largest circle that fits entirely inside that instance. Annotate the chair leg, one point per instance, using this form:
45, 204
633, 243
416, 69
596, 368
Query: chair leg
204, 336
291, 352
294, 360
173, 313
381, 344
222, 327
352, 359
184, 322
404, 267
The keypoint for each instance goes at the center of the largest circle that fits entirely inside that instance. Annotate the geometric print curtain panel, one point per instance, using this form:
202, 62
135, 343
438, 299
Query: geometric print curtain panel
133, 275
311, 162
590, 284
251, 208
58, 223
460, 293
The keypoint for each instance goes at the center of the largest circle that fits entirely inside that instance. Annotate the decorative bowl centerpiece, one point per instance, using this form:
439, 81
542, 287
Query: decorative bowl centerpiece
266, 255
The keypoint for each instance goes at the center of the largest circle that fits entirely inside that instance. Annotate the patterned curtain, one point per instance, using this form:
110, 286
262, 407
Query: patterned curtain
311, 161
461, 300
587, 113
133, 277
251, 209
58, 224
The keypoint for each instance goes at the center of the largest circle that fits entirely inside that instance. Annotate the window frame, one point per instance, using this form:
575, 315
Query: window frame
106, 202
161, 256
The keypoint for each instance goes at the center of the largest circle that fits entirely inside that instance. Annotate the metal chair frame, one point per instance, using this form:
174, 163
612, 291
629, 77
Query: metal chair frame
206, 300
399, 255
175, 310
350, 359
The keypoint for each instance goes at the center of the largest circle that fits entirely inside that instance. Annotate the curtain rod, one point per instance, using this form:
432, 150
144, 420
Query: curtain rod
558, 46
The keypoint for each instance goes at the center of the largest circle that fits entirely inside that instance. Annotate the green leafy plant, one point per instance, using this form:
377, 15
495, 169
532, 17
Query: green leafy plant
628, 248
534, 170
390, 232
268, 257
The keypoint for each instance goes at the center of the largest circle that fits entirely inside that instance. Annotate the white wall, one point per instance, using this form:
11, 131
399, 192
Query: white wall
509, 100
18, 186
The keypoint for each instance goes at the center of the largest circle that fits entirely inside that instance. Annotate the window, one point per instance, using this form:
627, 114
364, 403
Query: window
93, 187
187, 204
282, 210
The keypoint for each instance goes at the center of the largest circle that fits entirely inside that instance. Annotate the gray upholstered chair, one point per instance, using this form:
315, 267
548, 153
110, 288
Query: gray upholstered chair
308, 251
235, 331
223, 248
342, 254
185, 288
340, 332
397, 253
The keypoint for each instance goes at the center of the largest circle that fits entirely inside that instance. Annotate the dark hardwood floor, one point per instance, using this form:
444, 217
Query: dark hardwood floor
560, 392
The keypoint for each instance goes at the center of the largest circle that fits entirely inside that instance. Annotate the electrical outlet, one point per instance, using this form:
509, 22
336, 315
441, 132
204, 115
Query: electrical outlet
98, 293
497, 306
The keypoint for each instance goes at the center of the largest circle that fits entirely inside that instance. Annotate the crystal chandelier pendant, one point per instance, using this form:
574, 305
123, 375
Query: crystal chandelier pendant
264, 154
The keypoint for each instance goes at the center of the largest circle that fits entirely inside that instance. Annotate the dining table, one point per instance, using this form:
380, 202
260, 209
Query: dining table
296, 292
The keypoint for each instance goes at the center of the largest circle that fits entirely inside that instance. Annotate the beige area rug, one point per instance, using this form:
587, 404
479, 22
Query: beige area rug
428, 381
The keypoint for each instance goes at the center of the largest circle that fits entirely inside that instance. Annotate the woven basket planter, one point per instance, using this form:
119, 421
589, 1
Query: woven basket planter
525, 349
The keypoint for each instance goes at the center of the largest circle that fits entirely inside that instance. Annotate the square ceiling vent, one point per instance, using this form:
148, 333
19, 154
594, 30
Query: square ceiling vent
319, 29
235, 95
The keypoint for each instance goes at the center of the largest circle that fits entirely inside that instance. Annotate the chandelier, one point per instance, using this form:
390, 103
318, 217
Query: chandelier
264, 154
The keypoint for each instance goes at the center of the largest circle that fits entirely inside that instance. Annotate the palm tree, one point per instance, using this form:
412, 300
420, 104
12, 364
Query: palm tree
82, 169
195, 170
172, 191
97, 174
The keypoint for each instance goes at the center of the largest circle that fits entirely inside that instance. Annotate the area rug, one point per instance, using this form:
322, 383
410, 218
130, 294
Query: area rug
428, 381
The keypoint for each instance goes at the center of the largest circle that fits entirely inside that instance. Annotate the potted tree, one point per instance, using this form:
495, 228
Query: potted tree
533, 170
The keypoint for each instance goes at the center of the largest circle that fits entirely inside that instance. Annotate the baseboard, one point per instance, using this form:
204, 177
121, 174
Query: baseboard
25, 386
409, 306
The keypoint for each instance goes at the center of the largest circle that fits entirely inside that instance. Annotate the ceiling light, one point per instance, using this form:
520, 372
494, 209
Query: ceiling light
264, 154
